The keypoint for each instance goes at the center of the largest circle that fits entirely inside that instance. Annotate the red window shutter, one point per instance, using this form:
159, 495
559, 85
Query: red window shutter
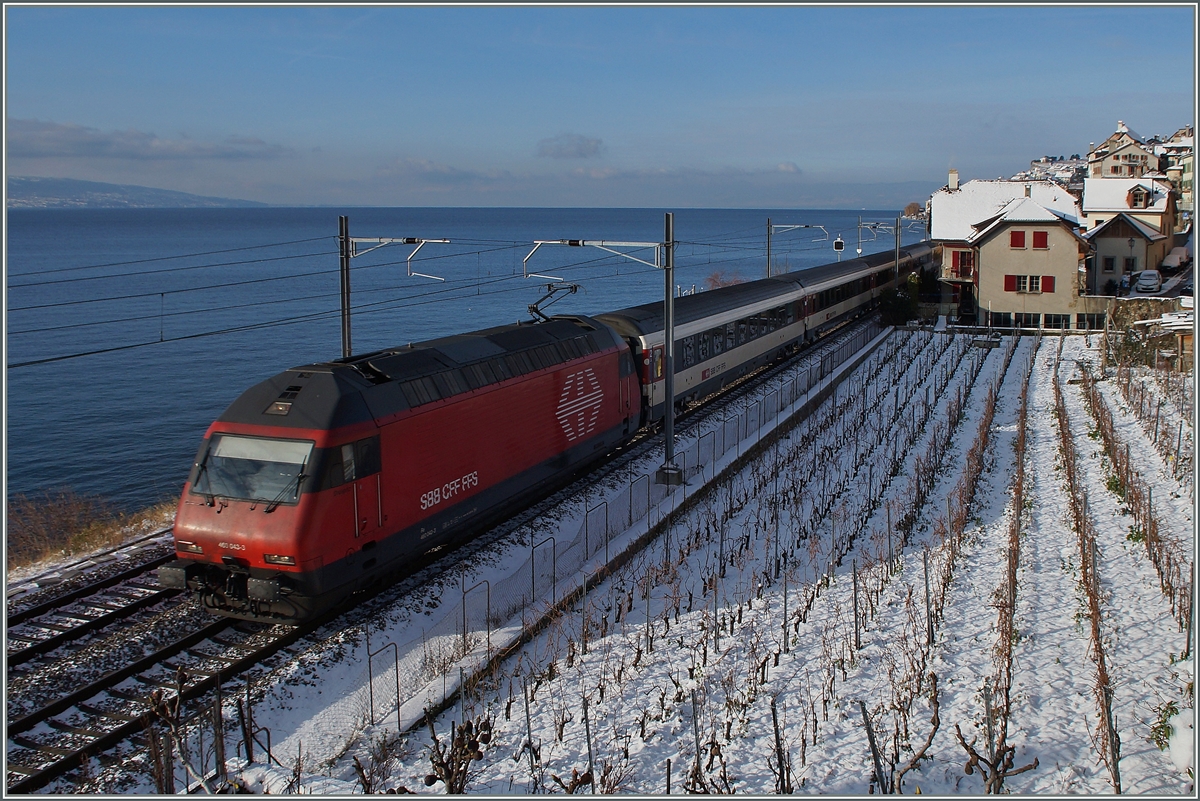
1016, 239
1047, 283
1010, 283
1040, 240
954, 261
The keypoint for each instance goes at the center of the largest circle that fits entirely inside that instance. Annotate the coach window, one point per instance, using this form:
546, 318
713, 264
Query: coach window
730, 336
689, 351
717, 335
741, 332
704, 340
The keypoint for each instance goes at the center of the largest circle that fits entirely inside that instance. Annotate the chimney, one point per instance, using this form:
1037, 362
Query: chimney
952, 185
1028, 190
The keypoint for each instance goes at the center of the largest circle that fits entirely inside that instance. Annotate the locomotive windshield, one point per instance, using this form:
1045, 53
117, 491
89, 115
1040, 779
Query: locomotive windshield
253, 469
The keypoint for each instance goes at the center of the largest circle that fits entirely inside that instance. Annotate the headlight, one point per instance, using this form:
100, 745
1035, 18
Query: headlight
188, 547
275, 559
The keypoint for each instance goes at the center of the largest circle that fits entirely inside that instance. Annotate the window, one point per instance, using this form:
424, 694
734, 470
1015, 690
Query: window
1131, 264
1028, 320
1110, 264
1001, 319
1016, 239
1094, 322
1058, 321
1041, 240
689, 351
1029, 283
252, 468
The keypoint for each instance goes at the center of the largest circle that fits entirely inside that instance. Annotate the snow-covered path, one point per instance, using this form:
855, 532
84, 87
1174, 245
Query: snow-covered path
1053, 673
1141, 636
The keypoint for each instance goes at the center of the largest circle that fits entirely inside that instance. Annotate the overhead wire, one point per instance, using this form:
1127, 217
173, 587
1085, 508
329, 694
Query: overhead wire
168, 258
369, 308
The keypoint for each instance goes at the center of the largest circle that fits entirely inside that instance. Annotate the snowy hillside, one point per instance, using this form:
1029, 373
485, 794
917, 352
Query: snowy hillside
932, 508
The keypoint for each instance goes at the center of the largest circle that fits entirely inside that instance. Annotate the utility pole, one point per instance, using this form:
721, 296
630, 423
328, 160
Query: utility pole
344, 250
669, 474
768, 247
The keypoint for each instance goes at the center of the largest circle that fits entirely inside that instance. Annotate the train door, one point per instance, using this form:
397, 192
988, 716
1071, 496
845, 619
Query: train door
360, 465
653, 369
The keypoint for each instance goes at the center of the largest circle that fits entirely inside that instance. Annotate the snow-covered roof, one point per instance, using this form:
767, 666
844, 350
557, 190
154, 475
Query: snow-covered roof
1123, 128
1019, 210
954, 214
1111, 194
1147, 232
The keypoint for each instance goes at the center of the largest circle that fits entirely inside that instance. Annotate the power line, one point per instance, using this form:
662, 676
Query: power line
167, 258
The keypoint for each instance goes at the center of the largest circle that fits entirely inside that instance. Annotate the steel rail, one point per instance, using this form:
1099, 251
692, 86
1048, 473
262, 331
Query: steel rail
50, 605
38, 647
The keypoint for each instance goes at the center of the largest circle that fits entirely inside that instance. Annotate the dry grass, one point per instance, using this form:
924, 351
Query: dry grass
61, 522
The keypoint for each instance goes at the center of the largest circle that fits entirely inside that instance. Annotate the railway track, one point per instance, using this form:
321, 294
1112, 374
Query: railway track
56, 737
49, 739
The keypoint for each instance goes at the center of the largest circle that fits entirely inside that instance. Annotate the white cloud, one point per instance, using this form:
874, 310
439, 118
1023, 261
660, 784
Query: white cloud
33, 139
569, 146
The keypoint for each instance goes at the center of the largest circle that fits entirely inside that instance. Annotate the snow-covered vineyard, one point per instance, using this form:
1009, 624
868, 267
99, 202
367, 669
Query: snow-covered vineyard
965, 567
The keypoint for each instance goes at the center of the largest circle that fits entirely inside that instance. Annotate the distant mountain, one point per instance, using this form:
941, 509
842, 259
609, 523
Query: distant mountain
67, 193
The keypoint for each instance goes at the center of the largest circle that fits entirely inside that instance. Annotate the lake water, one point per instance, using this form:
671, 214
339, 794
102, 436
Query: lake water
182, 309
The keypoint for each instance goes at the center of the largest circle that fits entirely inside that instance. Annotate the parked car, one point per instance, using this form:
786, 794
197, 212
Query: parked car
1149, 281
1174, 260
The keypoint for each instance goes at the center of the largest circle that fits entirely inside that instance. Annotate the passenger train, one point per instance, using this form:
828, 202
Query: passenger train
331, 476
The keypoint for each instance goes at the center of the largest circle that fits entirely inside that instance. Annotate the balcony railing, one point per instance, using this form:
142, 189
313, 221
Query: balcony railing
958, 273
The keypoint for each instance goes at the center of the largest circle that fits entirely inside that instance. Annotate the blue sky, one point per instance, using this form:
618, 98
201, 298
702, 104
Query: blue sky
770, 106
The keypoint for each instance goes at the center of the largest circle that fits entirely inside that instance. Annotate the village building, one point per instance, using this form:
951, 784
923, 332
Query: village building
1122, 155
1013, 254
1121, 246
1149, 199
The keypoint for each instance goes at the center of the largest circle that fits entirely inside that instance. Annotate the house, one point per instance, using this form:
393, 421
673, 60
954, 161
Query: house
972, 223
1122, 245
1177, 157
1029, 259
1149, 199
1122, 155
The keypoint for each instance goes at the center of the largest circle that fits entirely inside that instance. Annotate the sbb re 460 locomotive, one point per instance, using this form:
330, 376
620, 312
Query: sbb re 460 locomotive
325, 478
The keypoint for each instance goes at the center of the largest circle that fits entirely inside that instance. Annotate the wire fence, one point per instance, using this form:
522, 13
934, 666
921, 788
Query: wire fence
476, 621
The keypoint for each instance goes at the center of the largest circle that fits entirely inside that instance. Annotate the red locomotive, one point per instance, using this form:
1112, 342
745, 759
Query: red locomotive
321, 478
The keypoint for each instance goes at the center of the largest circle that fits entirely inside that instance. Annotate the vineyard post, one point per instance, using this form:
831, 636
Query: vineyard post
928, 608
883, 787
218, 730
854, 573
785, 603
587, 730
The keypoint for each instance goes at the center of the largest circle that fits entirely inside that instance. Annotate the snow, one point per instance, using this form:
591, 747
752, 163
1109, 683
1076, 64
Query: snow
1111, 195
688, 642
953, 215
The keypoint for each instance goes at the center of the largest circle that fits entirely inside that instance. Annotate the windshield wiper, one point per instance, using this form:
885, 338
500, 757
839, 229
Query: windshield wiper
270, 507
210, 497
